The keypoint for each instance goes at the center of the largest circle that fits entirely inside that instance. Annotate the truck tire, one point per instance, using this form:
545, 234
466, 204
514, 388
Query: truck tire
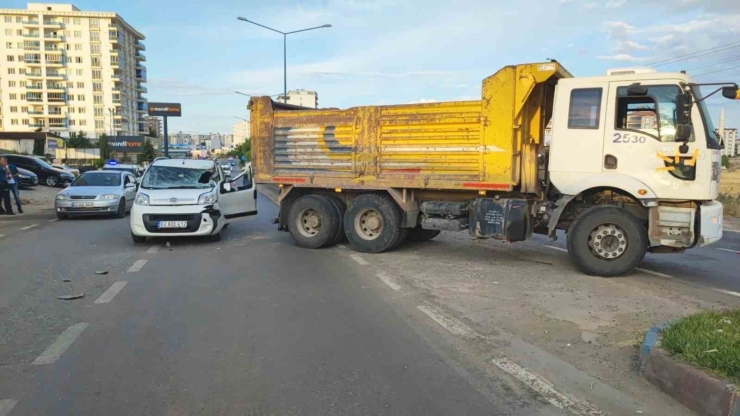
341, 209
419, 235
402, 236
372, 223
607, 241
313, 221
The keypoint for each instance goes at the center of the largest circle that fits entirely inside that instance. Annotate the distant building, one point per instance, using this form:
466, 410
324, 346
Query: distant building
227, 140
732, 145
153, 124
241, 132
303, 98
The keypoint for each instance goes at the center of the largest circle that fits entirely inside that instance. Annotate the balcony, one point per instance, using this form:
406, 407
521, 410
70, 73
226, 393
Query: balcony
30, 23
55, 75
141, 99
141, 88
55, 63
34, 74
57, 99
56, 87
36, 125
55, 114
31, 46
36, 113
53, 37
32, 35
34, 99
53, 49
51, 23
32, 62
140, 46
34, 87
140, 56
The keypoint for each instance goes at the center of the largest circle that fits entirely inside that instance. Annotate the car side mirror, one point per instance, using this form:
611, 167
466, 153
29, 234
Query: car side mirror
732, 93
227, 187
130, 185
683, 132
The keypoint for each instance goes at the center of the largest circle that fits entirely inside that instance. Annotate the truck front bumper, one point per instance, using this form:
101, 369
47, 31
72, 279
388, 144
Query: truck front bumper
710, 225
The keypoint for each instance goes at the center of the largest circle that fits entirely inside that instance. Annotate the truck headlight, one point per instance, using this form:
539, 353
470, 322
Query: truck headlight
207, 198
109, 196
142, 199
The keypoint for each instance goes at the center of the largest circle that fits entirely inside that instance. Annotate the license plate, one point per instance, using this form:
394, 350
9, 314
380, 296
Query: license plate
82, 204
172, 224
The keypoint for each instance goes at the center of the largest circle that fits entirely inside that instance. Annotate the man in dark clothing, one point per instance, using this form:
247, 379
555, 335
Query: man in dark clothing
5, 188
14, 185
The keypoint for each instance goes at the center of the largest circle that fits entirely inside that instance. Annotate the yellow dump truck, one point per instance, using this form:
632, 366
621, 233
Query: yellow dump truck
626, 163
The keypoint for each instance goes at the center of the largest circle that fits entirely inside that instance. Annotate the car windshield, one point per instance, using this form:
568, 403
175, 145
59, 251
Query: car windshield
175, 177
98, 179
44, 164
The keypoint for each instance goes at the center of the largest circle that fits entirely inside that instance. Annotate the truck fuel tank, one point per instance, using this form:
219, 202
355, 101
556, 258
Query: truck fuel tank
503, 219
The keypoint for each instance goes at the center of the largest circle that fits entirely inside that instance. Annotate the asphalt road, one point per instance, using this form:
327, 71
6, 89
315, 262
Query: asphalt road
251, 325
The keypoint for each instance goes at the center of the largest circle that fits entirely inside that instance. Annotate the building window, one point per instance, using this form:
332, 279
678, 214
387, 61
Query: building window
72, 122
70, 84
79, 72
13, 96
67, 33
13, 109
76, 21
81, 110
19, 45
78, 34
71, 97
80, 85
80, 97
94, 23
78, 59
23, 84
11, 58
25, 121
23, 96
98, 112
71, 110
97, 74
95, 36
65, 20
19, 32
22, 71
83, 122
95, 48
14, 121
8, 45
8, 32
98, 124
97, 99
97, 87
8, 19
585, 108
24, 109
11, 71
78, 47
11, 83
19, 19
95, 61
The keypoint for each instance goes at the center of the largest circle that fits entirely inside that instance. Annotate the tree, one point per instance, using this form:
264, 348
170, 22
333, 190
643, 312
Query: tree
147, 153
244, 149
103, 146
78, 141
125, 158
726, 161
152, 133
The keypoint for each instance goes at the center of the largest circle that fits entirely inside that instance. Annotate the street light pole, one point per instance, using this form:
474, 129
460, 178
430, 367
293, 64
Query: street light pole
285, 50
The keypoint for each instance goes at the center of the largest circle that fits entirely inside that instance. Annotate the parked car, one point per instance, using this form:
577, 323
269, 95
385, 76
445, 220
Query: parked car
27, 178
132, 169
97, 193
46, 173
66, 167
189, 198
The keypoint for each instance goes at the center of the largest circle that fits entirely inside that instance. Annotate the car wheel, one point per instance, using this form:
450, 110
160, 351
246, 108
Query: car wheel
215, 237
52, 181
121, 209
137, 238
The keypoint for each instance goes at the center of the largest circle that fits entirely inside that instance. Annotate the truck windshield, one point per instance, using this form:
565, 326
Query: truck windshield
712, 140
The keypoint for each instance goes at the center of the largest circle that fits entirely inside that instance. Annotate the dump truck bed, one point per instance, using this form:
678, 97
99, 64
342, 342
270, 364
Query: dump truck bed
460, 145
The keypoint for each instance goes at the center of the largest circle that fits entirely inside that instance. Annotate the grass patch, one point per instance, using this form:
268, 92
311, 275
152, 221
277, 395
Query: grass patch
708, 340
730, 204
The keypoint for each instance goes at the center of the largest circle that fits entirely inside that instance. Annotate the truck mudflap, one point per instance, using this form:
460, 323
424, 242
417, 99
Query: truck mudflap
502, 219
710, 225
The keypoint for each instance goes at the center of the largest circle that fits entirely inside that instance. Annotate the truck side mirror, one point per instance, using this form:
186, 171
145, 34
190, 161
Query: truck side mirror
733, 93
683, 109
683, 132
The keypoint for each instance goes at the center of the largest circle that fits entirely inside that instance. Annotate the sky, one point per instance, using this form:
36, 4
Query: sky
390, 52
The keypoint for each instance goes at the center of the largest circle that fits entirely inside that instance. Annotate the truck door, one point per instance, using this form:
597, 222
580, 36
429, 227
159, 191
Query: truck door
640, 140
239, 198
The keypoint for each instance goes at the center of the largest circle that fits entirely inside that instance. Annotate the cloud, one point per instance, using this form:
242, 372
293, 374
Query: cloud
591, 5
622, 57
423, 101
618, 30
613, 4
630, 46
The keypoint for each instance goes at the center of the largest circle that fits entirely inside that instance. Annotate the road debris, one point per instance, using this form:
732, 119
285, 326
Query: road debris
101, 271
71, 297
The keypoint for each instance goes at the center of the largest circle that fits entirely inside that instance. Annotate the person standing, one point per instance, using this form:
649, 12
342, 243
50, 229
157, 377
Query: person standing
5, 188
14, 182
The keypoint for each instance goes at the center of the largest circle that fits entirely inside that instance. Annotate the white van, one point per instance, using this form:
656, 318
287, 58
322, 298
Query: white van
180, 197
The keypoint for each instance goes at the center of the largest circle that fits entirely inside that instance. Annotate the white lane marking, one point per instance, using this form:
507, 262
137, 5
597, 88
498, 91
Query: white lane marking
28, 227
387, 280
54, 220
727, 292
112, 291
136, 266
655, 273
63, 342
359, 259
545, 389
2, 235
153, 249
454, 327
557, 248
728, 250
6, 406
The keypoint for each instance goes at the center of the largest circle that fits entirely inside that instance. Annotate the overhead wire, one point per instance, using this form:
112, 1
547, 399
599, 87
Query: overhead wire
696, 54
719, 70
714, 63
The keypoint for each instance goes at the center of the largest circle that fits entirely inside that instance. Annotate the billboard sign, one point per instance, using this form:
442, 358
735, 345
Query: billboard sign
165, 109
131, 144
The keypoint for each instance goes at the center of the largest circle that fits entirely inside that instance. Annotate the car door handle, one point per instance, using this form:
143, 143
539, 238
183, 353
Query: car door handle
610, 162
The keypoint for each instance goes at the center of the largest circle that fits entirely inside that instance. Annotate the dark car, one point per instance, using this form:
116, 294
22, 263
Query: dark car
27, 178
45, 172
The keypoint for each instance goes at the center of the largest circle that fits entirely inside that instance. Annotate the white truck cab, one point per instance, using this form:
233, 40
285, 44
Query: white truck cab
646, 134
181, 197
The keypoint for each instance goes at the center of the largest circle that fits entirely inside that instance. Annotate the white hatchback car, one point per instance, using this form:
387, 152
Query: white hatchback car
181, 197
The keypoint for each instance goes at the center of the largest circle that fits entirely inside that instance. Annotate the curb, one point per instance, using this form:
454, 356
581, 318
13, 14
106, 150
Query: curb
690, 386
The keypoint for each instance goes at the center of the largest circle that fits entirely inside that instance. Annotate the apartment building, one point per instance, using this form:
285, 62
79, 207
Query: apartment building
64, 70
731, 142
153, 124
303, 98
240, 132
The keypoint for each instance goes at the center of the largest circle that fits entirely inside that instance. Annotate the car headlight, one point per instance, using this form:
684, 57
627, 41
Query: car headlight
142, 199
109, 196
22, 176
207, 198
62, 196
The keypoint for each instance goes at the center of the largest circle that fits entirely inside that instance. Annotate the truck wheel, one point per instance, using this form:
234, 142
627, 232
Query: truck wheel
607, 241
419, 235
340, 209
313, 221
402, 236
372, 223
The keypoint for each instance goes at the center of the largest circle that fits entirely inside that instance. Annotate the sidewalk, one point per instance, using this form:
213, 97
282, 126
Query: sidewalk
37, 202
